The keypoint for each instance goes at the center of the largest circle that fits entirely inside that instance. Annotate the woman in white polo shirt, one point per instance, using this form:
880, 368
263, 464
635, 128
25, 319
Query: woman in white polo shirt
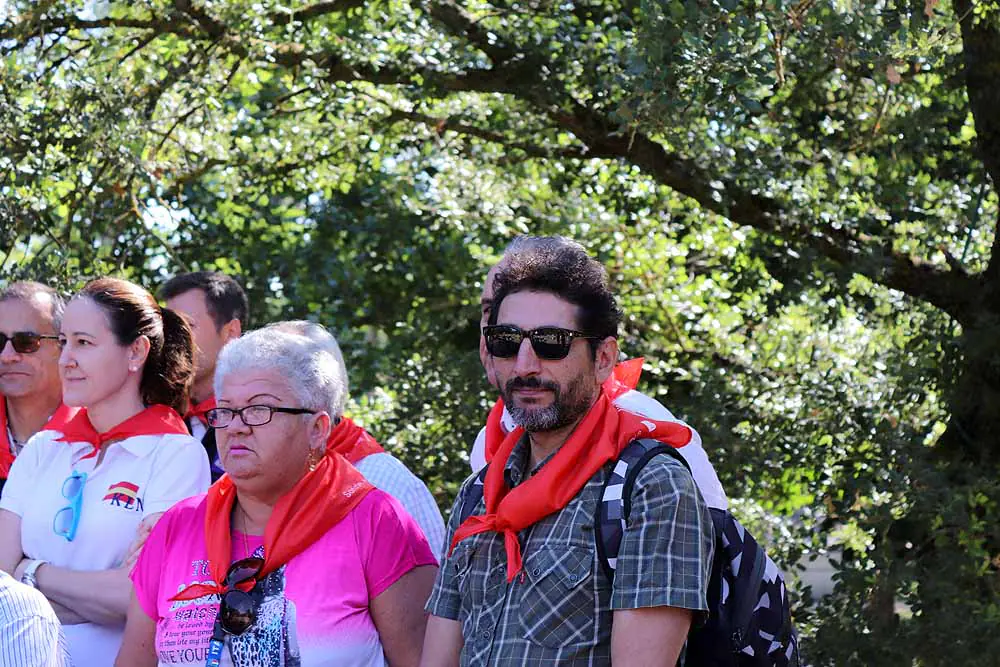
93, 481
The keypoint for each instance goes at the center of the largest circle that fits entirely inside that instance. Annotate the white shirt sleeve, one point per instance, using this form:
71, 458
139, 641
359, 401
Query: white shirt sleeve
23, 474
388, 473
30, 633
694, 453
477, 457
181, 472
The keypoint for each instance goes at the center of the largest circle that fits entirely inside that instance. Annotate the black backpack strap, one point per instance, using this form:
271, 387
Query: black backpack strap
616, 497
471, 496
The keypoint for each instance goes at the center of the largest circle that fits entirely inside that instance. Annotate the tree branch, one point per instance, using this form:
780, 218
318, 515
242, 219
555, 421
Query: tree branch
441, 125
948, 290
456, 20
313, 11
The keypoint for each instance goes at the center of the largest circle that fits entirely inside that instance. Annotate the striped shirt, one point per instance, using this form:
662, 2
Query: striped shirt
388, 473
30, 634
559, 612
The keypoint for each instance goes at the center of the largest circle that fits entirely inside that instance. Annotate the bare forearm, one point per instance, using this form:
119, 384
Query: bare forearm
96, 597
66, 615
442, 643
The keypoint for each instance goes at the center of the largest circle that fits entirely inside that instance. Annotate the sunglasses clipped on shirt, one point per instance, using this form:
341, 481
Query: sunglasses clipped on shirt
237, 608
67, 519
549, 343
24, 342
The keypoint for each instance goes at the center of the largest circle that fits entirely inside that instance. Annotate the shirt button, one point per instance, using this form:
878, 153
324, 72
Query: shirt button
487, 634
537, 571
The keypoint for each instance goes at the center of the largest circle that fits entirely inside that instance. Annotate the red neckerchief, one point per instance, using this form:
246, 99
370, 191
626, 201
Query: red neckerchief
75, 426
596, 440
198, 411
6, 456
351, 441
624, 378
317, 503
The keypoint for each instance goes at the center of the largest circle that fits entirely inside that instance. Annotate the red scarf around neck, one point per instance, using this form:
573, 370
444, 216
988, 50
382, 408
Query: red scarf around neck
75, 426
596, 440
6, 456
624, 378
351, 441
62, 413
317, 503
198, 411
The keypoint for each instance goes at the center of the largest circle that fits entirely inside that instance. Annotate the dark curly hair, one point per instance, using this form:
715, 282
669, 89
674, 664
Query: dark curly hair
562, 267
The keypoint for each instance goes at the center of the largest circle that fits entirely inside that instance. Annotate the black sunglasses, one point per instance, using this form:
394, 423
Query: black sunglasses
550, 343
24, 342
238, 609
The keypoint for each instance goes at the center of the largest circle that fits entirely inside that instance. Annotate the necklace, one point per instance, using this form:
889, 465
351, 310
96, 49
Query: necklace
246, 546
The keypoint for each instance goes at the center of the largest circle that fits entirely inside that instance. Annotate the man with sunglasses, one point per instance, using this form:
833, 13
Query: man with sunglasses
620, 386
523, 583
30, 389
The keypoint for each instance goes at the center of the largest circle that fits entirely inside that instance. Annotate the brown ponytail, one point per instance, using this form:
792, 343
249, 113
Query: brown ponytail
167, 377
132, 312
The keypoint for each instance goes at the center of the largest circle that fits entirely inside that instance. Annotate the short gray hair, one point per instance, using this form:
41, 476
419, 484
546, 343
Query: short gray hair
311, 374
322, 337
29, 290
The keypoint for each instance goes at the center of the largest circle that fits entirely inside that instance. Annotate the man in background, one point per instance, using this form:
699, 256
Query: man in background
30, 388
217, 309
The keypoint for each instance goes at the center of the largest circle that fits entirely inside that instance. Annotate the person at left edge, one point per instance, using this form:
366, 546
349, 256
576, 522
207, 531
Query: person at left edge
30, 633
88, 486
217, 309
292, 558
30, 390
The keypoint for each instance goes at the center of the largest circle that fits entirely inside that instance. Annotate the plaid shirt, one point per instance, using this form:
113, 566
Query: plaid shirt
559, 611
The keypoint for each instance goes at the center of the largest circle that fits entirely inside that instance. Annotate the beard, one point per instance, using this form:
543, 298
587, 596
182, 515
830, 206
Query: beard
568, 404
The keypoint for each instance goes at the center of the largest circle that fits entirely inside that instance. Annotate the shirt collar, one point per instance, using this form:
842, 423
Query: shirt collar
138, 446
517, 462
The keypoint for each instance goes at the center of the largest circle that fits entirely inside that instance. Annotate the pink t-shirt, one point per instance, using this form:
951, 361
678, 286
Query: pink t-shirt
315, 607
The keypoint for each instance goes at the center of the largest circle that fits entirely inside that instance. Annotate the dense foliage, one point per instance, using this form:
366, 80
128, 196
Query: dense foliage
797, 202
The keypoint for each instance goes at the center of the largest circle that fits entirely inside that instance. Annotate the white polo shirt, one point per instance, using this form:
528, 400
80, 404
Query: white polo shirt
139, 476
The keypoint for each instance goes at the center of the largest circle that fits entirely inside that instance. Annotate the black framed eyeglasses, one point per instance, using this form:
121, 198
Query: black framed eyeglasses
24, 342
238, 608
550, 343
252, 415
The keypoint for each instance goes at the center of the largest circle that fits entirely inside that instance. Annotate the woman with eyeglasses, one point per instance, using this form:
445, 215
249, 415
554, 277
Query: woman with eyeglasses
292, 557
86, 489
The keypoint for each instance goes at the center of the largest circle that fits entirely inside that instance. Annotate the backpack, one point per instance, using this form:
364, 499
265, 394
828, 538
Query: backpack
749, 621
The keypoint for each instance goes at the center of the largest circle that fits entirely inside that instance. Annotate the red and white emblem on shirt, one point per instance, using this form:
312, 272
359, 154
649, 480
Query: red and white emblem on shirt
125, 495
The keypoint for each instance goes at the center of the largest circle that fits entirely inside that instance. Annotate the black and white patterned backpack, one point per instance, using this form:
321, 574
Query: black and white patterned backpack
749, 622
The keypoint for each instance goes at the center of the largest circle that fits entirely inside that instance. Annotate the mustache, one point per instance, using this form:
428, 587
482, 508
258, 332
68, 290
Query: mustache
529, 383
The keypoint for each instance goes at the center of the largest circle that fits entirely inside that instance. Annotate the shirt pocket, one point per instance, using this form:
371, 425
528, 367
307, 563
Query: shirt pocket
558, 603
464, 575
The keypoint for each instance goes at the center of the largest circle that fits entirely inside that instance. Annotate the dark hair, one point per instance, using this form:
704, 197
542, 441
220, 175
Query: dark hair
27, 290
133, 312
225, 298
562, 267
